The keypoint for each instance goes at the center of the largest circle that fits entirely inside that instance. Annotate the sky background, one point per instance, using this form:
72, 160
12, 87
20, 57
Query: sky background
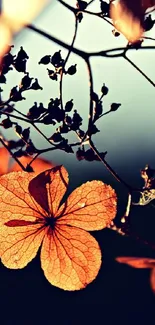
128, 134
129, 137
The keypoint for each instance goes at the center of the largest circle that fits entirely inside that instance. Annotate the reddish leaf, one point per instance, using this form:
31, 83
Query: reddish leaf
49, 188
29, 203
18, 223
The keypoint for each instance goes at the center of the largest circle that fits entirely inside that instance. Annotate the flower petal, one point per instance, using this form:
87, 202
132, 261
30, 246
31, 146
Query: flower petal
15, 200
70, 258
38, 165
127, 18
137, 262
19, 245
4, 160
49, 187
92, 206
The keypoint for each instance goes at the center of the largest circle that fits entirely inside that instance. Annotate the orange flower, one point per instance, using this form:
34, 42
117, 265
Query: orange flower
31, 216
38, 165
141, 263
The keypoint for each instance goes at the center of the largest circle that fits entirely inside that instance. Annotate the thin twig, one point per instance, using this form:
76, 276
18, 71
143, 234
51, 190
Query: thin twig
39, 131
116, 176
139, 70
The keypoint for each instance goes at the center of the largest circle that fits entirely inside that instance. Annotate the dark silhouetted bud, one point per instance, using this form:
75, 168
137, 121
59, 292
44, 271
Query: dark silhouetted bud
56, 137
13, 92
95, 97
29, 169
48, 119
63, 128
18, 129
25, 82
115, 33
33, 112
80, 154
76, 117
93, 129
104, 90
2, 79
57, 60
104, 7
69, 105
72, 69
68, 120
81, 5
16, 95
7, 123
22, 55
148, 23
36, 85
20, 65
114, 107
45, 59
26, 134
41, 108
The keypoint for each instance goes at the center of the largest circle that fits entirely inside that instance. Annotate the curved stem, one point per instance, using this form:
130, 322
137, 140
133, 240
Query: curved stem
90, 119
67, 57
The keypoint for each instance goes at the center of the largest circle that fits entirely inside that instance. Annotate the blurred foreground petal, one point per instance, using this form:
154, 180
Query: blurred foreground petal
15, 15
4, 160
127, 18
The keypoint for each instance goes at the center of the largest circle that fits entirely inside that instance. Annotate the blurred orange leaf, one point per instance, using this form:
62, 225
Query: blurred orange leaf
38, 165
4, 161
15, 15
137, 262
141, 263
31, 215
127, 16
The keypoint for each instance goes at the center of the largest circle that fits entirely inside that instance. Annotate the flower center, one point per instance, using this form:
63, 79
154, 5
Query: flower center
50, 221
